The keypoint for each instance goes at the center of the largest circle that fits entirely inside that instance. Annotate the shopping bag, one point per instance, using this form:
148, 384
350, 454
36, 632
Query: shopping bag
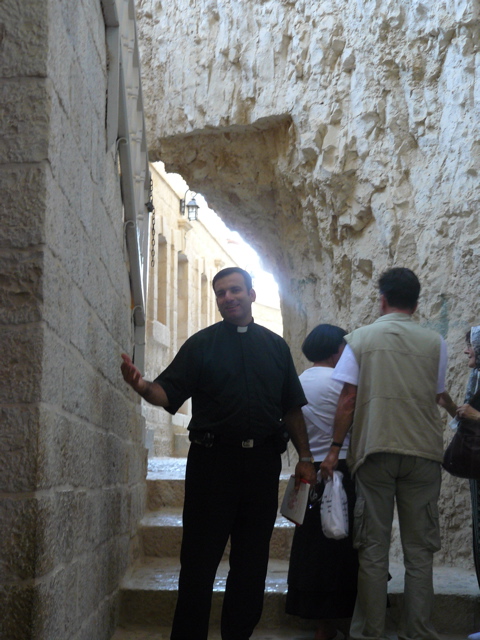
334, 508
462, 457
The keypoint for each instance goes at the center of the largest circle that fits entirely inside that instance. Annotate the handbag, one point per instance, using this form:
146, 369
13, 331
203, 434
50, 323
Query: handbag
334, 508
462, 456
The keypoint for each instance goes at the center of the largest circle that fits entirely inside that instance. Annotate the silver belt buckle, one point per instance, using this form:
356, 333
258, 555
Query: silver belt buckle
247, 444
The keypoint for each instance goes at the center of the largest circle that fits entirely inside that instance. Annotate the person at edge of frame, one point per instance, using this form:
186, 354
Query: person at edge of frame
246, 398
393, 374
469, 410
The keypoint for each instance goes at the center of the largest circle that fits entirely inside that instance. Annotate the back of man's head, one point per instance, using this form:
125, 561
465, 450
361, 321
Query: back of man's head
228, 272
401, 288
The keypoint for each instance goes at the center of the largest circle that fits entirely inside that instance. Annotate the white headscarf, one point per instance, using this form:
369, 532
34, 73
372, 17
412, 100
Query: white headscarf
474, 379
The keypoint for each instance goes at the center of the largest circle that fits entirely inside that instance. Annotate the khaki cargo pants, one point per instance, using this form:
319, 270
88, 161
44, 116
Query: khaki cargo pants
415, 485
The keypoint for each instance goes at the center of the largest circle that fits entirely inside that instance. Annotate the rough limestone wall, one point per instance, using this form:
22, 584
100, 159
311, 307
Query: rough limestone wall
72, 460
340, 137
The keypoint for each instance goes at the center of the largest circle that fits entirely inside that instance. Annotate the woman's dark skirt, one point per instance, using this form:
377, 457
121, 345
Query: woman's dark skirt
322, 577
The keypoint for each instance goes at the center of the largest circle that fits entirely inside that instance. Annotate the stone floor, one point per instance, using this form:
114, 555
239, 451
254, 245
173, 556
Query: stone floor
456, 590
162, 633
174, 468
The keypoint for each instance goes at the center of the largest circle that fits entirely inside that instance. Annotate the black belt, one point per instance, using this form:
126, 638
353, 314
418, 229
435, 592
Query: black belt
208, 439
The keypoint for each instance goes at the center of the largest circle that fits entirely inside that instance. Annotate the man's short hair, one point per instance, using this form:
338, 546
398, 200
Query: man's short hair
401, 288
228, 272
322, 342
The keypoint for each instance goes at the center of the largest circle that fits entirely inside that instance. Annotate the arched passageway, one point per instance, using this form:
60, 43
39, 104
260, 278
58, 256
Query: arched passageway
340, 139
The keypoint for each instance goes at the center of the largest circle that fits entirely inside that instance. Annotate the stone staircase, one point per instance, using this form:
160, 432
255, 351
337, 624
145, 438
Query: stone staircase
148, 593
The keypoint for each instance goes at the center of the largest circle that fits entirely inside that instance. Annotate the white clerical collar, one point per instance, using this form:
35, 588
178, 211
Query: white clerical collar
242, 329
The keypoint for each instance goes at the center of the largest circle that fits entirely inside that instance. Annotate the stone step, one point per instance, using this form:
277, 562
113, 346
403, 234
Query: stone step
170, 492
164, 492
165, 483
161, 534
149, 593
148, 596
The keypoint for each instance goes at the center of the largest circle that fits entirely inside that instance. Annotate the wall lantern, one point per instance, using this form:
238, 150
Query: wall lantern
192, 207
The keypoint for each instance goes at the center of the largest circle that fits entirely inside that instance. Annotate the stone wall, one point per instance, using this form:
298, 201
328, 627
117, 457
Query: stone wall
72, 458
341, 138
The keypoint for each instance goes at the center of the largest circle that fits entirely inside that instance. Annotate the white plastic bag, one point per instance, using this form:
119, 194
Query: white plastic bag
334, 508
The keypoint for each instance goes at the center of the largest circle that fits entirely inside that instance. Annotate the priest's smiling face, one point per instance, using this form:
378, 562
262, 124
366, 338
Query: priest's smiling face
234, 301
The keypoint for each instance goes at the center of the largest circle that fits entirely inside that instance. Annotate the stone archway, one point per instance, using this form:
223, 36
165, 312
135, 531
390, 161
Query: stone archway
340, 139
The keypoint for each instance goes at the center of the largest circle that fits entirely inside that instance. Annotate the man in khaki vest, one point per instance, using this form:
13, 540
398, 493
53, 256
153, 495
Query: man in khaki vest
394, 376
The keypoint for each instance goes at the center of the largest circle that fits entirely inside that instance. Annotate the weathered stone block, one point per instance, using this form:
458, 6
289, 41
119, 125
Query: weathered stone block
66, 525
18, 448
62, 55
71, 445
102, 623
89, 594
59, 456
138, 501
81, 523
25, 118
54, 361
80, 388
21, 287
21, 374
39, 534
47, 535
16, 605
24, 51
18, 528
93, 65
137, 462
65, 153
50, 607
23, 192
59, 295
116, 461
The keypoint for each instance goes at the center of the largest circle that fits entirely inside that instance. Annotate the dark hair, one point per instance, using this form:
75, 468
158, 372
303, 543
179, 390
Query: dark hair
228, 272
468, 336
401, 288
323, 342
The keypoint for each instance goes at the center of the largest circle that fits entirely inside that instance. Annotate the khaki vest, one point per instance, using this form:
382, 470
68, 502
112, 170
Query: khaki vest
396, 408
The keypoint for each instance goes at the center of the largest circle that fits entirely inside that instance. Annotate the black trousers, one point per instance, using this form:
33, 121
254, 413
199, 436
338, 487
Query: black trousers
322, 577
229, 492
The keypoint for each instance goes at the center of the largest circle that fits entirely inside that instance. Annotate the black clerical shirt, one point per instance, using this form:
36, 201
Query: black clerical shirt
242, 380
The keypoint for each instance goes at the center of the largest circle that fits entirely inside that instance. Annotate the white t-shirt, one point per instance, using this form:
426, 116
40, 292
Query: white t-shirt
347, 369
322, 394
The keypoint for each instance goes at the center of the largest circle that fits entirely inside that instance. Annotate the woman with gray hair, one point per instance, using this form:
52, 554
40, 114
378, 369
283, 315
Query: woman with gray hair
322, 577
